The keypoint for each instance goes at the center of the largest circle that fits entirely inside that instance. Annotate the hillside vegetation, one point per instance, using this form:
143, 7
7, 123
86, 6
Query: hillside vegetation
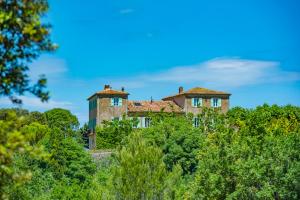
245, 154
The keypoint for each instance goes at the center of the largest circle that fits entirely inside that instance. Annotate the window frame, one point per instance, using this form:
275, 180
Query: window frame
147, 122
196, 122
116, 101
199, 102
217, 103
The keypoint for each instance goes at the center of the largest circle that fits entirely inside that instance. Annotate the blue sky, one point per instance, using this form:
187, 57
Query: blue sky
250, 48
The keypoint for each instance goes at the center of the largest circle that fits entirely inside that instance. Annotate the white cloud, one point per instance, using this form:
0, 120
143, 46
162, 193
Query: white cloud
52, 67
225, 72
126, 11
35, 103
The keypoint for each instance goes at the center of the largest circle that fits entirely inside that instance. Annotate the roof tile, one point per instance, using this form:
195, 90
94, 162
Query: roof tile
198, 90
153, 106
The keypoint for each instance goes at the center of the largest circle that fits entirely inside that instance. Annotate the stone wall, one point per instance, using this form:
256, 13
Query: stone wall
107, 112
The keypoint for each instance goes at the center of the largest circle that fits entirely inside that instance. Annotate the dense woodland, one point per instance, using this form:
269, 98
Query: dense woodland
244, 154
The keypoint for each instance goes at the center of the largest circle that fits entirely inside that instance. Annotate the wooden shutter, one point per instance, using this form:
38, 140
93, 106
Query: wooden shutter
212, 102
139, 125
219, 102
193, 102
200, 101
120, 101
112, 101
143, 122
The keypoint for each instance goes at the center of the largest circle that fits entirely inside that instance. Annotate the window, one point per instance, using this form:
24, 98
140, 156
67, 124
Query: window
196, 122
116, 101
215, 102
147, 121
196, 102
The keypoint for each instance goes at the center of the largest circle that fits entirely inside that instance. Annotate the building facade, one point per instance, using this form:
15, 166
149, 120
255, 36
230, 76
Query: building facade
109, 104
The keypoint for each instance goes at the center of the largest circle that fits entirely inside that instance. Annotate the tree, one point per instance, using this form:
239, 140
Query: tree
63, 120
177, 138
258, 158
140, 172
71, 161
12, 143
112, 133
23, 37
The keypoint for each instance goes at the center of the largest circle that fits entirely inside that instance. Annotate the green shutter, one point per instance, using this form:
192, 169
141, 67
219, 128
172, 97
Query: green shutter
219, 102
212, 102
143, 122
200, 101
193, 102
112, 101
120, 101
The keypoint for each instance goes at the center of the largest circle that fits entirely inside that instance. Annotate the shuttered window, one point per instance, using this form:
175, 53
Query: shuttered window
196, 102
116, 101
196, 122
216, 102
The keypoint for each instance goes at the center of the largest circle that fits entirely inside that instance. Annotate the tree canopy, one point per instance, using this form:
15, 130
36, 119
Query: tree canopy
23, 37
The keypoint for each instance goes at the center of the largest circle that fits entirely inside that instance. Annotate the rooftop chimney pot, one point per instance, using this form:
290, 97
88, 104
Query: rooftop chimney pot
106, 87
122, 89
180, 90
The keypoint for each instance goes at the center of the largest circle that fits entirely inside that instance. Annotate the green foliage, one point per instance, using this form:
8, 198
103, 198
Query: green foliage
12, 143
35, 132
65, 170
83, 134
23, 37
63, 120
140, 172
36, 117
111, 134
177, 138
258, 158
70, 160
245, 154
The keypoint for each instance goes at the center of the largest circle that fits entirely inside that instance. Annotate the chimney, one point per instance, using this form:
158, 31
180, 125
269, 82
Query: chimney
122, 89
106, 87
180, 90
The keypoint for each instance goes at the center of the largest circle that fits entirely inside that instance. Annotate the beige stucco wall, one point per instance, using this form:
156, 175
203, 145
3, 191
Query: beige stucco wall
188, 108
107, 112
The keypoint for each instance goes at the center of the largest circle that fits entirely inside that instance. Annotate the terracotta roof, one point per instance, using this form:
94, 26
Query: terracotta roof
109, 91
198, 90
154, 106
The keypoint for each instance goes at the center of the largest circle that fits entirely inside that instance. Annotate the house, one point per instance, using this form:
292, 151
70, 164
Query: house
110, 104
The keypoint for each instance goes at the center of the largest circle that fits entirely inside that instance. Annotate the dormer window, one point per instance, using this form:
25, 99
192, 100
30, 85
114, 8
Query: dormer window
215, 102
116, 101
196, 102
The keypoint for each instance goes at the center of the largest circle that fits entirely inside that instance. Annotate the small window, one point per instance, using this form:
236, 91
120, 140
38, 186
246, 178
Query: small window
196, 122
196, 102
116, 101
215, 102
147, 121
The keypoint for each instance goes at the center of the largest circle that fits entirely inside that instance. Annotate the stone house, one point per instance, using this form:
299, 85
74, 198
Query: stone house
110, 104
